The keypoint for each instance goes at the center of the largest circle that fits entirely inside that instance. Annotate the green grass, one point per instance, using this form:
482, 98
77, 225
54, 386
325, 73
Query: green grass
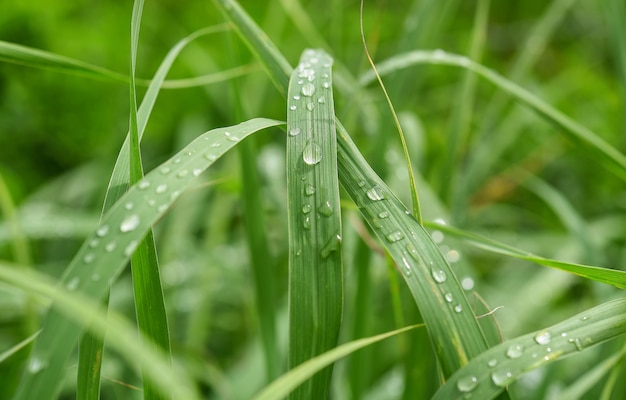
481, 255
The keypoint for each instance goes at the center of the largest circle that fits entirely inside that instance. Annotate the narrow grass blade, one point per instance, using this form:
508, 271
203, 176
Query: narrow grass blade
454, 331
612, 277
288, 382
81, 310
315, 271
107, 250
488, 374
612, 158
24, 343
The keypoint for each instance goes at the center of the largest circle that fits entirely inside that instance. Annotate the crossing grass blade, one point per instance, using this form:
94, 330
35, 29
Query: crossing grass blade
604, 152
485, 376
281, 387
106, 251
612, 277
82, 310
315, 271
453, 329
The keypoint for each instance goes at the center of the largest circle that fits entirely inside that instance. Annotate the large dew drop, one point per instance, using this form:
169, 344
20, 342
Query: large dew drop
543, 337
312, 154
375, 194
129, 223
438, 275
515, 351
467, 384
395, 236
308, 89
502, 378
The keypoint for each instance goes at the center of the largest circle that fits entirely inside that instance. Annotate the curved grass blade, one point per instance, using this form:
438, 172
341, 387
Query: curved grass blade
454, 331
315, 271
613, 159
485, 376
281, 387
84, 311
612, 277
107, 250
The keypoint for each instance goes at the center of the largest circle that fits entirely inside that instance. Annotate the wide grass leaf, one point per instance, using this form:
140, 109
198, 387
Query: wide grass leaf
106, 251
315, 271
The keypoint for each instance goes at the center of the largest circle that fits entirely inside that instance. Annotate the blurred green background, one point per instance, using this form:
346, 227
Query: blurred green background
60, 134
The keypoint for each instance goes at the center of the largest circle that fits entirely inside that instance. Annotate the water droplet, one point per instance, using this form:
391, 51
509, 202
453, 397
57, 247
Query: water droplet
210, 156
458, 308
321, 100
93, 243
310, 106
143, 184
309, 190
164, 170
326, 209
151, 202
412, 252
502, 378
438, 274
232, 138
183, 173
449, 298
215, 145
325, 85
375, 193
563, 334
308, 89
585, 318
361, 183
296, 97
110, 246
300, 81
312, 154
89, 257
295, 131
331, 246
515, 351
383, 214
162, 188
197, 171
306, 208
543, 337
437, 236
178, 160
129, 223
36, 365
440, 221
407, 266
307, 222
73, 283
467, 383
576, 342
102, 231
292, 108
492, 363
395, 236
128, 251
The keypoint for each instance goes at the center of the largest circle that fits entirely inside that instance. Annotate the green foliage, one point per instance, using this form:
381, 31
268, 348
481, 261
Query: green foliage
274, 283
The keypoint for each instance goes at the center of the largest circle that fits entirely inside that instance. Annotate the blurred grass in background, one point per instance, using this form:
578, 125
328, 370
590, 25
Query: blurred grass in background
60, 134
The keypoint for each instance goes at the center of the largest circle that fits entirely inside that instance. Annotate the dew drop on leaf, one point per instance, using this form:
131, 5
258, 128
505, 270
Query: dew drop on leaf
129, 223
467, 383
162, 188
312, 154
395, 236
102, 231
295, 131
438, 275
543, 337
515, 351
308, 89
375, 193
501, 378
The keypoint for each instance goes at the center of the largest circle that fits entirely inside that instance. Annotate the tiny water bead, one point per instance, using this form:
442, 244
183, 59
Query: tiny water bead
326, 209
89, 257
325, 85
395, 236
308, 89
292, 107
109, 247
102, 231
502, 378
458, 308
312, 154
164, 170
406, 266
36, 365
295, 131
210, 156
543, 338
576, 342
143, 184
331, 245
438, 274
307, 222
321, 100
183, 173
162, 188
309, 190
310, 106
129, 223
93, 243
515, 351
73, 283
216, 145
467, 383
492, 363
196, 171
129, 206
375, 193
448, 297
306, 208
383, 214
296, 97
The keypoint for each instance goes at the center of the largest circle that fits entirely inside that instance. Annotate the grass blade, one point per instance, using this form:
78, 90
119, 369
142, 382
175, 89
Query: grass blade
288, 382
488, 374
107, 250
612, 158
81, 310
315, 272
